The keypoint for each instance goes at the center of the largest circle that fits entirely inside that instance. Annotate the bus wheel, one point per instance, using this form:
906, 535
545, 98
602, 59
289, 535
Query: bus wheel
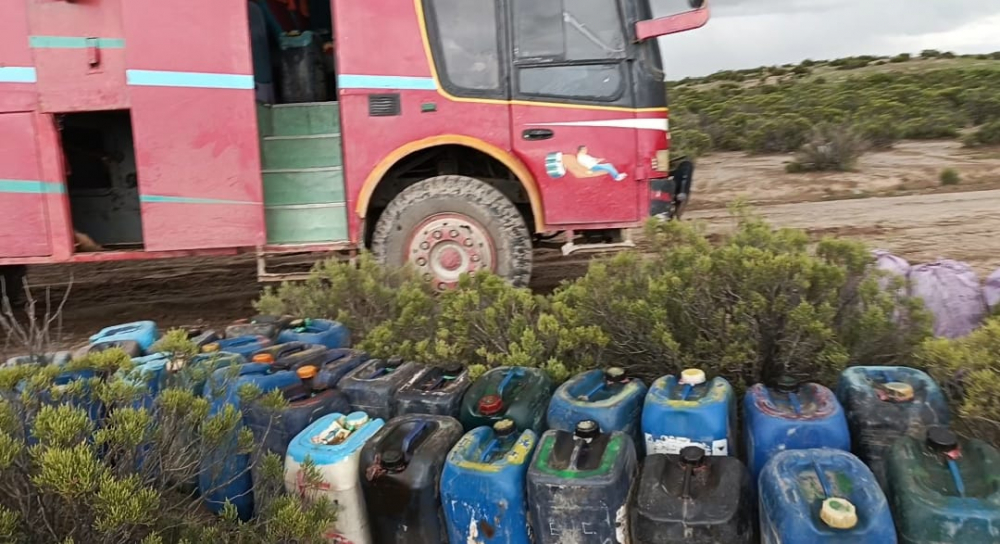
450, 225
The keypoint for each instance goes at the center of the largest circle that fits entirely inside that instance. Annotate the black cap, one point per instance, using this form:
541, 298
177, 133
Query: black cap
786, 384
615, 374
692, 456
588, 429
393, 459
941, 439
452, 369
504, 428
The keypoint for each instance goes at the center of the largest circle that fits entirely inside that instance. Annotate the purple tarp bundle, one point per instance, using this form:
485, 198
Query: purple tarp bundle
893, 266
992, 290
952, 293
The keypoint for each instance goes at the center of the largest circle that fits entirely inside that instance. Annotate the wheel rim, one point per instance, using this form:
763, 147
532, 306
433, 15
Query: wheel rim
445, 246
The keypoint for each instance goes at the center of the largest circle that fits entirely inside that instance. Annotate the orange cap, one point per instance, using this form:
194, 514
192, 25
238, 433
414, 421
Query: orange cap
263, 358
307, 372
210, 348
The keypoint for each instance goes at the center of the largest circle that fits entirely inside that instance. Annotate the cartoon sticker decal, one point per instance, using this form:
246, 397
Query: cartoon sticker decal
582, 165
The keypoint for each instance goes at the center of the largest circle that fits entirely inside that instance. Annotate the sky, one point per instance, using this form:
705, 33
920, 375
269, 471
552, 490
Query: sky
751, 33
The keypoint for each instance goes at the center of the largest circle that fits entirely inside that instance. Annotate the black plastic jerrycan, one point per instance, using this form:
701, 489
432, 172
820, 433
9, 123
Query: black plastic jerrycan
693, 498
372, 386
434, 391
400, 475
578, 485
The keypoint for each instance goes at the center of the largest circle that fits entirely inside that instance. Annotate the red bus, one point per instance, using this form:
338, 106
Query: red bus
452, 134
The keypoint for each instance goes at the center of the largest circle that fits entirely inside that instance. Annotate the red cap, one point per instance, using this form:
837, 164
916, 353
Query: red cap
490, 405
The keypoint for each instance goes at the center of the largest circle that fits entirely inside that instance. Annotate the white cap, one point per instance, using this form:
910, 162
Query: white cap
839, 513
693, 376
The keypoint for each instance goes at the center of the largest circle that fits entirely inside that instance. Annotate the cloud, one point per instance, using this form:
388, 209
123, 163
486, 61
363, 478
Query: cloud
750, 33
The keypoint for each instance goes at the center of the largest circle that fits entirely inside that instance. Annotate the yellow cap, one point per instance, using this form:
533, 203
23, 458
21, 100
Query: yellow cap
839, 513
263, 358
693, 376
210, 348
307, 372
899, 391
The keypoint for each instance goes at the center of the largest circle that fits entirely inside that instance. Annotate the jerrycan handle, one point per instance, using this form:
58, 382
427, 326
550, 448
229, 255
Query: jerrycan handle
514, 373
411, 438
944, 442
503, 430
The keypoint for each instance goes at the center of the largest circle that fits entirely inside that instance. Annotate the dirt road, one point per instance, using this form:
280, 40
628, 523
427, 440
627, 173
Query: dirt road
921, 228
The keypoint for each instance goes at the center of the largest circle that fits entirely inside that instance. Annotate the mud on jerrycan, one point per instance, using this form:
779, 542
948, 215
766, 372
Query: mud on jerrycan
883, 404
516, 393
690, 410
791, 416
943, 488
291, 356
822, 496
578, 485
225, 475
372, 386
693, 498
333, 444
143, 333
307, 401
483, 485
244, 346
401, 472
610, 397
322, 332
434, 391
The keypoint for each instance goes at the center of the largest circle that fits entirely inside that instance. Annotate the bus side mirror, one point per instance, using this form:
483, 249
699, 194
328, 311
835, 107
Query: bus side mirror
672, 24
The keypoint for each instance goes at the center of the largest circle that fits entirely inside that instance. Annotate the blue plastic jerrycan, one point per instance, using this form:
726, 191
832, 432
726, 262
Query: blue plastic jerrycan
690, 410
886, 403
58, 358
143, 333
151, 372
291, 356
323, 332
610, 397
333, 444
244, 346
579, 484
195, 374
791, 416
822, 496
483, 485
225, 475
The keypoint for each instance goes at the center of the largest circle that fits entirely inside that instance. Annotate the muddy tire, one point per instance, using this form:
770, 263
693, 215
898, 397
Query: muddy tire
449, 225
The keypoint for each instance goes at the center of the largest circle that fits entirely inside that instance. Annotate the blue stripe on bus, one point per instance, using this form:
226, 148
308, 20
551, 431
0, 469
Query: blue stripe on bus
203, 80
74, 42
351, 81
18, 74
160, 199
24, 186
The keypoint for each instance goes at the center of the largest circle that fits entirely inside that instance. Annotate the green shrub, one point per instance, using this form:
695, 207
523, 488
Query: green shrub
950, 176
758, 305
831, 147
902, 57
930, 53
690, 142
781, 134
881, 132
988, 134
970, 370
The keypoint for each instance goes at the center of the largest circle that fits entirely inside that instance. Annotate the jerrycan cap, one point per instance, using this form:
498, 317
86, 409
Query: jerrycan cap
587, 429
838, 513
355, 420
452, 369
393, 460
693, 376
263, 358
898, 391
211, 347
615, 375
786, 384
490, 405
307, 372
941, 439
692, 456
504, 428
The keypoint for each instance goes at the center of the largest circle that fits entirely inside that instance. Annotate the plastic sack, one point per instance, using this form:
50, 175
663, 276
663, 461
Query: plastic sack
992, 290
951, 292
895, 267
